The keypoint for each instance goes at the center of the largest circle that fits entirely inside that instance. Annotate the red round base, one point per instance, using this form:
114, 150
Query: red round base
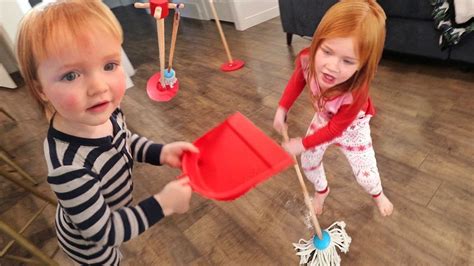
157, 92
236, 64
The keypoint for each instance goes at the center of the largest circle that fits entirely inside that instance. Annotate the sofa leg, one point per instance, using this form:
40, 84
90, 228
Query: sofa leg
289, 37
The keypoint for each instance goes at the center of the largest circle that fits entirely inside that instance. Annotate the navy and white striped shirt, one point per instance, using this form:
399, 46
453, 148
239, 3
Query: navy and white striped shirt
92, 179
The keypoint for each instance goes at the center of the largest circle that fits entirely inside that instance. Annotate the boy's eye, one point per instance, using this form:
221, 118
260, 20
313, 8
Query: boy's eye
70, 76
110, 66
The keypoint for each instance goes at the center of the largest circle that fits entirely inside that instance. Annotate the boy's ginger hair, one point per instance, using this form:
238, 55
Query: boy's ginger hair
50, 27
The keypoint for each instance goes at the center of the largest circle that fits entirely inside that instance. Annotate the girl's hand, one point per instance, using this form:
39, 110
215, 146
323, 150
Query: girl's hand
172, 153
175, 196
279, 122
294, 146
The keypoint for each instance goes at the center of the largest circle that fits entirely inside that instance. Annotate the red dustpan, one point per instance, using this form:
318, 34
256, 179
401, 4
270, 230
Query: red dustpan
233, 157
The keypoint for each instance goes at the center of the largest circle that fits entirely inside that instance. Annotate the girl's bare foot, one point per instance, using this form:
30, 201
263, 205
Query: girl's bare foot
384, 204
318, 201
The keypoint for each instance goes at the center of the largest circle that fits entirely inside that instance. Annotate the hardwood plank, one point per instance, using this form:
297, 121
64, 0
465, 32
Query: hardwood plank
422, 134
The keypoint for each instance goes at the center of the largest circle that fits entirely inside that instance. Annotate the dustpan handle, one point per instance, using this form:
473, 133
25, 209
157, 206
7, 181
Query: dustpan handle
307, 200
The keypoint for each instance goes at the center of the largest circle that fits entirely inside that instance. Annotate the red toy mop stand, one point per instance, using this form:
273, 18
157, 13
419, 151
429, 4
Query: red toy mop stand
156, 91
233, 158
163, 87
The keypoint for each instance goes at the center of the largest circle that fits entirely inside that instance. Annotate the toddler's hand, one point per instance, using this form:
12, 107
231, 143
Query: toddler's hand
172, 152
279, 122
175, 196
294, 146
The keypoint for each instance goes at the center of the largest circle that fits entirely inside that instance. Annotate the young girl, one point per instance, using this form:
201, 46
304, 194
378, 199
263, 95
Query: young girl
69, 53
339, 67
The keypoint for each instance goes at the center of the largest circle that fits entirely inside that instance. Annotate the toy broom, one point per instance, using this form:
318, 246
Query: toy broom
232, 64
321, 248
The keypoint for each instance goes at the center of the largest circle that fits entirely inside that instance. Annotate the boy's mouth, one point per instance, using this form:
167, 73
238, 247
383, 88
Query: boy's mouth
99, 107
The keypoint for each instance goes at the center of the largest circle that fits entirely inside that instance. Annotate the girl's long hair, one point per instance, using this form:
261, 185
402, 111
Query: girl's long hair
364, 20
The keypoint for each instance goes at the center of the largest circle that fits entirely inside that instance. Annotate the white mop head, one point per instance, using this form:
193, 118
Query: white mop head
310, 255
170, 78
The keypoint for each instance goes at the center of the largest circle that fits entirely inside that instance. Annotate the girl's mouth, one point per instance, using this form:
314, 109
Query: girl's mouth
328, 79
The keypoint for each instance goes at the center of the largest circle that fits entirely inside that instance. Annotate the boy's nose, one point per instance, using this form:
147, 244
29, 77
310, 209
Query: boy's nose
96, 86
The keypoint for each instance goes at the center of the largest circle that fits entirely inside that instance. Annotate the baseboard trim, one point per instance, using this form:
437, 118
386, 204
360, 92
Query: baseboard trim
258, 18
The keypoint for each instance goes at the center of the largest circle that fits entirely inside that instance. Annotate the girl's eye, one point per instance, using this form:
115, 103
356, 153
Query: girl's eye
110, 66
70, 76
349, 62
326, 52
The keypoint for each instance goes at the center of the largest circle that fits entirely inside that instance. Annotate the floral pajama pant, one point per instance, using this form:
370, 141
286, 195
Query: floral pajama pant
356, 144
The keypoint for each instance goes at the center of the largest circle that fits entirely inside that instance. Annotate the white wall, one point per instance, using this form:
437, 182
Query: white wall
248, 13
11, 12
243, 13
196, 9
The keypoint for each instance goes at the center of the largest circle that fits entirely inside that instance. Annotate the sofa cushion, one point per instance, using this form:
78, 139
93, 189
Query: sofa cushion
464, 50
287, 16
416, 37
310, 13
414, 9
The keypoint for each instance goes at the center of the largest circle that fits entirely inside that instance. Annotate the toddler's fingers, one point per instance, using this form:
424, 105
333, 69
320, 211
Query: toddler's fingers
190, 147
183, 180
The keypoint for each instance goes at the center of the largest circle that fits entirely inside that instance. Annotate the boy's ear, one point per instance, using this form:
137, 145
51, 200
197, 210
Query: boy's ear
39, 90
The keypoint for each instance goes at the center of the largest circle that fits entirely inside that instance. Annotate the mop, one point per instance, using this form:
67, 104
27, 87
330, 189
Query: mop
163, 86
321, 248
170, 74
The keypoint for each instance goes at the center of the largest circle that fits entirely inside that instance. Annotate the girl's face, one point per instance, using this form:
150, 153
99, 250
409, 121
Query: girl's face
335, 61
86, 84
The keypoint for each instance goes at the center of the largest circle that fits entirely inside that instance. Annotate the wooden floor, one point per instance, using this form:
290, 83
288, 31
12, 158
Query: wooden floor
422, 135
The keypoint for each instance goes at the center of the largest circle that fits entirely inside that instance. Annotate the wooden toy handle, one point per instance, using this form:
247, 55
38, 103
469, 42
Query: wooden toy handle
221, 32
160, 28
307, 200
175, 6
141, 5
173, 35
147, 5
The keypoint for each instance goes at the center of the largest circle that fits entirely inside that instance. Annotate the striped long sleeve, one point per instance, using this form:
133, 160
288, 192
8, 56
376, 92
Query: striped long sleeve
80, 194
92, 179
144, 150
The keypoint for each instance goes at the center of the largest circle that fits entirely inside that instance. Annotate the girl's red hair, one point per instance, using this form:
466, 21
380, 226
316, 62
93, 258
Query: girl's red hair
364, 20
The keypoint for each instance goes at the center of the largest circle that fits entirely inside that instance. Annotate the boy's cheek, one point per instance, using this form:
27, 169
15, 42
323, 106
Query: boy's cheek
70, 101
120, 85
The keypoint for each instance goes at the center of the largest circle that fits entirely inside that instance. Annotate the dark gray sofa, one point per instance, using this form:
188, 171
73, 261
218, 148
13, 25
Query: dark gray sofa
410, 27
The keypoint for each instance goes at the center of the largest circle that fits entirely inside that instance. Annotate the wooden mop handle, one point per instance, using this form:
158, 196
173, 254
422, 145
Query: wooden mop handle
160, 28
173, 35
147, 5
141, 5
221, 32
307, 200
